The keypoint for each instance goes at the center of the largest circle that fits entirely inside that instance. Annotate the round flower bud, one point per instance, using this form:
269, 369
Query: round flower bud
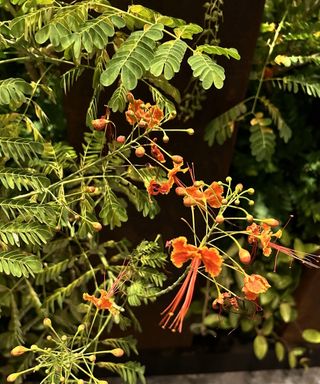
62, 379
224, 201
140, 151
19, 350
121, 139
64, 338
34, 347
228, 179
80, 381
49, 337
244, 256
249, 218
239, 187
180, 191
47, 322
251, 191
219, 219
92, 358
81, 328
165, 139
237, 202
118, 352
251, 202
96, 226
99, 124
130, 97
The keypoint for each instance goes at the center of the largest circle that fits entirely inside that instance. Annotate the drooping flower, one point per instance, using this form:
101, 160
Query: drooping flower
181, 253
263, 234
156, 153
254, 285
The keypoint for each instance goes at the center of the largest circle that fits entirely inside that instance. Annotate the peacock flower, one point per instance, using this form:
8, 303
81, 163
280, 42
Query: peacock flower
254, 285
156, 153
143, 114
181, 253
102, 302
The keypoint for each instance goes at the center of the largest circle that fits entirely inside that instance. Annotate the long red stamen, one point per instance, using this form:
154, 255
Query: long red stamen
188, 285
305, 258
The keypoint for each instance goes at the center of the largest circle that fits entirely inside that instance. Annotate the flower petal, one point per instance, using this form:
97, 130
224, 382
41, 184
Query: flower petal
211, 260
213, 195
182, 251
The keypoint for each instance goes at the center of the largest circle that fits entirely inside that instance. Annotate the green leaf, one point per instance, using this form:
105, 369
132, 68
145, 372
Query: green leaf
285, 312
284, 130
267, 326
112, 212
262, 142
221, 128
207, 70
295, 84
133, 58
13, 90
187, 31
118, 100
20, 148
216, 50
17, 263
260, 347
168, 58
21, 178
311, 336
131, 372
32, 233
280, 351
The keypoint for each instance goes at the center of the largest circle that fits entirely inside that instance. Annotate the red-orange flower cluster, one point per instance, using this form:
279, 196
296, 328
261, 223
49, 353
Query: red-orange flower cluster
262, 233
164, 187
102, 302
254, 285
196, 195
145, 115
182, 252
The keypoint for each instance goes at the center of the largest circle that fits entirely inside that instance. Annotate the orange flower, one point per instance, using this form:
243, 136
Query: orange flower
182, 252
253, 285
264, 234
213, 195
154, 187
145, 115
194, 195
103, 302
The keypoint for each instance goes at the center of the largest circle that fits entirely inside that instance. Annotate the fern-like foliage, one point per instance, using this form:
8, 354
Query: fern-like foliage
131, 372
133, 58
216, 50
118, 100
20, 148
113, 211
206, 70
52, 272
283, 128
222, 127
262, 142
15, 232
22, 178
295, 84
26, 211
14, 91
17, 263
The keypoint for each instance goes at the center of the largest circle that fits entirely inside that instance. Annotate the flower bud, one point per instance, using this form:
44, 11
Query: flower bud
239, 187
165, 139
96, 226
271, 222
34, 347
251, 191
228, 179
49, 337
180, 191
19, 350
224, 201
251, 202
121, 139
13, 377
118, 352
47, 322
80, 381
99, 124
102, 382
64, 338
140, 151
130, 97
177, 159
244, 256
92, 358
237, 202
219, 219
81, 328
198, 183
249, 218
